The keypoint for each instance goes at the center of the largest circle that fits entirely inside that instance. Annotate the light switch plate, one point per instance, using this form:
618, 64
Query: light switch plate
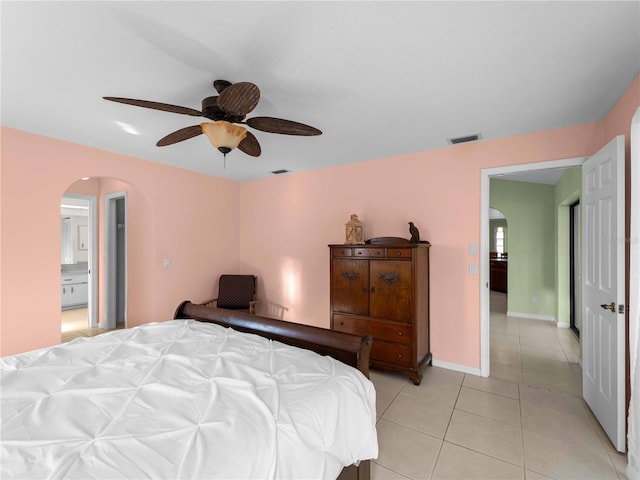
473, 268
473, 249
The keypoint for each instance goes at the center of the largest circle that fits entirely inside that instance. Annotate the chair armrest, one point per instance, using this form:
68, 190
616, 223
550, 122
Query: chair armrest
252, 307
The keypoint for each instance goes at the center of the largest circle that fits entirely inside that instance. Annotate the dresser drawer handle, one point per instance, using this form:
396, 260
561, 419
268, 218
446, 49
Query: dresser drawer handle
399, 355
342, 324
400, 334
389, 278
398, 253
350, 275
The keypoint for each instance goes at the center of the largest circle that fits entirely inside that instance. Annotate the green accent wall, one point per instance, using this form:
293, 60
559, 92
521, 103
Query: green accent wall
537, 217
531, 275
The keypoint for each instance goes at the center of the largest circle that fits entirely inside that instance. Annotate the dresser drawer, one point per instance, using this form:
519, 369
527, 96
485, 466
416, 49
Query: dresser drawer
391, 353
368, 252
398, 253
341, 252
387, 331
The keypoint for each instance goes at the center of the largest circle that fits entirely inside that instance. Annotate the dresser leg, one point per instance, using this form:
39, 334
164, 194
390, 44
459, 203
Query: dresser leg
416, 378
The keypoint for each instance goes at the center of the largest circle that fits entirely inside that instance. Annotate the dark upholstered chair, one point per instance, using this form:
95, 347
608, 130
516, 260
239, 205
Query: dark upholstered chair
236, 292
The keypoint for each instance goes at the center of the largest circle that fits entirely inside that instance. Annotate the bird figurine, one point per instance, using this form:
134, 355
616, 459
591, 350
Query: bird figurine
415, 233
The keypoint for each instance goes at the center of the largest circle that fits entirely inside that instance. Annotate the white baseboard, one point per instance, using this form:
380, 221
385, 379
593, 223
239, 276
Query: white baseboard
632, 473
563, 325
456, 367
532, 316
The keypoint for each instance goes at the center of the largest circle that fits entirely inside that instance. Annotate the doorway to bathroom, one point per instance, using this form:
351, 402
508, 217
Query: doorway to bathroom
77, 264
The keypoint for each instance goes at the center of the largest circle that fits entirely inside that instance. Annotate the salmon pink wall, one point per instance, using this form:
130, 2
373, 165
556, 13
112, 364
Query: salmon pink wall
618, 120
278, 227
288, 221
186, 216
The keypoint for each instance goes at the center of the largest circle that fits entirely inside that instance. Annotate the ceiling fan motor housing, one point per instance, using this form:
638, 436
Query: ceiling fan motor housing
212, 111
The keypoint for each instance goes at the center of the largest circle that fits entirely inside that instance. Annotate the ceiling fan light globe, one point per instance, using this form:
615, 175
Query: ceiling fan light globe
224, 135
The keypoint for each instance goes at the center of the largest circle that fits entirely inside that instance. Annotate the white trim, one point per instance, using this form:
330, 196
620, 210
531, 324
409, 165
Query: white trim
456, 367
526, 167
485, 174
633, 425
485, 314
533, 316
563, 325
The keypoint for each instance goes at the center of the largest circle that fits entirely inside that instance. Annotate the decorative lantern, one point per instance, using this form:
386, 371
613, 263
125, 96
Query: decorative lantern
354, 231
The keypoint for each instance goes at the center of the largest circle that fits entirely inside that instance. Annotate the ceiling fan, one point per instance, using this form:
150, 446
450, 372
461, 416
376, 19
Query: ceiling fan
228, 111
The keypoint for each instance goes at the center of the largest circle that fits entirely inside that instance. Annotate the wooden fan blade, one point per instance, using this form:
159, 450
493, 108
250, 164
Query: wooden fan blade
239, 98
179, 135
278, 125
250, 145
165, 107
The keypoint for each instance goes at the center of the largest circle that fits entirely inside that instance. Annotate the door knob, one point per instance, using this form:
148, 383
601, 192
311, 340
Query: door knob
611, 306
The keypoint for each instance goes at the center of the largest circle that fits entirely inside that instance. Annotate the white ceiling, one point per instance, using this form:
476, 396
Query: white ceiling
547, 176
378, 78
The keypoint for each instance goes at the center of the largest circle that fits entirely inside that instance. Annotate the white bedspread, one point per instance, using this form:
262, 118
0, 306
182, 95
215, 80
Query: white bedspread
182, 399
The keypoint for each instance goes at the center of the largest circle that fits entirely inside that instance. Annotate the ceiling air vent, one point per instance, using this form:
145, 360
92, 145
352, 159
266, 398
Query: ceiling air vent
280, 172
465, 139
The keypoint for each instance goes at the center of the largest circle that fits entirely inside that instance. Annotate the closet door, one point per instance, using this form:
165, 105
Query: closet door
390, 292
350, 286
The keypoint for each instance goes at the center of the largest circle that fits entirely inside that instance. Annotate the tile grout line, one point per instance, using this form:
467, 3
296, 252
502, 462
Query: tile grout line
524, 457
444, 435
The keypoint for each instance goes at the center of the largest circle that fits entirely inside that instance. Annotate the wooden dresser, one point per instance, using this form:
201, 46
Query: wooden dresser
498, 274
383, 289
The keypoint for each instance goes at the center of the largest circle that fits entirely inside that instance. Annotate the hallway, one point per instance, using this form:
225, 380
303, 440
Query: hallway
534, 352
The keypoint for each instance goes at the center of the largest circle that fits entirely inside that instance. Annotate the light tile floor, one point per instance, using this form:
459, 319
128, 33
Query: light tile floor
526, 421
75, 323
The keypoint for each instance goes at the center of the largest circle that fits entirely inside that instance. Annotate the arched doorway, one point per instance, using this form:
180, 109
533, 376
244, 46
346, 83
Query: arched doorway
92, 228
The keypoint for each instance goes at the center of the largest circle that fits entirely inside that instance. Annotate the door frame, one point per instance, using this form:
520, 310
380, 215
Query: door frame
485, 185
110, 287
92, 255
575, 281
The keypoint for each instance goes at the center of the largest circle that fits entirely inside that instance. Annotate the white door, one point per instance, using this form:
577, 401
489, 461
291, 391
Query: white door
603, 349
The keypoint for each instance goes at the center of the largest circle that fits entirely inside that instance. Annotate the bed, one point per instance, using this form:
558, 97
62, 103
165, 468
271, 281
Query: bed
210, 394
